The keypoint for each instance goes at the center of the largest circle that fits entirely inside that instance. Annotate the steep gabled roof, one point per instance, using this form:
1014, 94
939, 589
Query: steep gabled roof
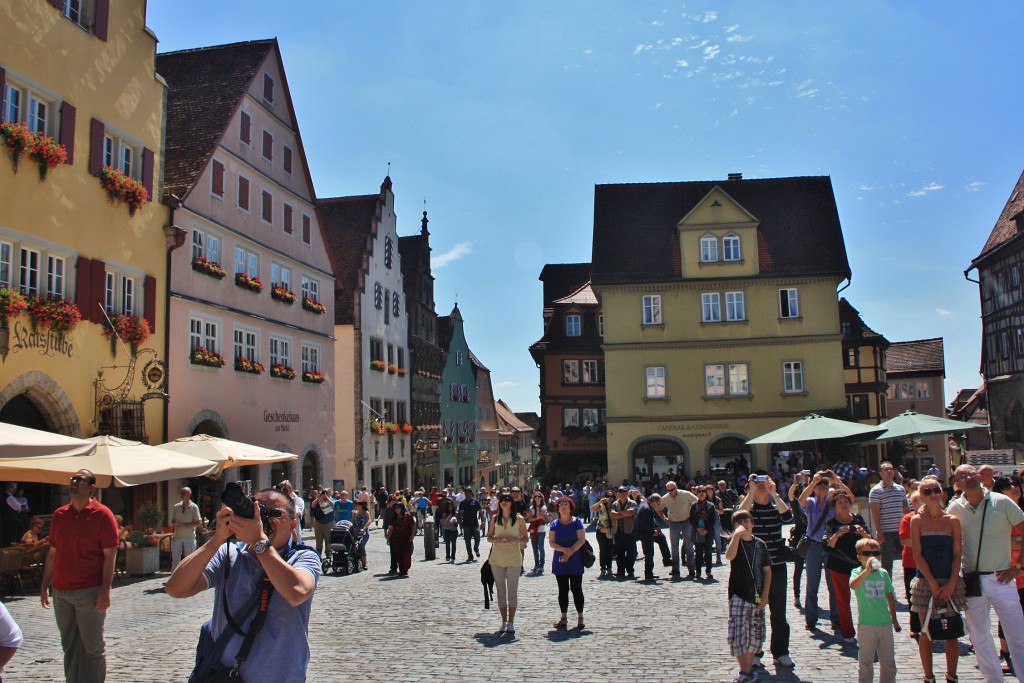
349, 224
509, 419
919, 356
1009, 224
858, 328
635, 227
205, 87
584, 296
562, 279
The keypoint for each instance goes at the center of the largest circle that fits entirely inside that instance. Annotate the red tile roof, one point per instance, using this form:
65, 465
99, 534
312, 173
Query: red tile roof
919, 356
1009, 225
205, 87
799, 231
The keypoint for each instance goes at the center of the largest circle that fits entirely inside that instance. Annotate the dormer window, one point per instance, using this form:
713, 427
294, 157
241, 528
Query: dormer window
731, 248
573, 327
708, 249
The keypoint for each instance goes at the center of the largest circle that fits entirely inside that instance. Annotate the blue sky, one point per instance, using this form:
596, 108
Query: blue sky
503, 117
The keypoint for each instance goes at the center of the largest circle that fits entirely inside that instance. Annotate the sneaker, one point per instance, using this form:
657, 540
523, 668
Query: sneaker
757, 663
786, 661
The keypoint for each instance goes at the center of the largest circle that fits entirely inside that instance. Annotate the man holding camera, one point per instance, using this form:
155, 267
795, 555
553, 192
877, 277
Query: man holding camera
986, 523
264, 560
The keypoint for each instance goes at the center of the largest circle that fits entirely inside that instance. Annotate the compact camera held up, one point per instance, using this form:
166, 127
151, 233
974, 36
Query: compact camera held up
245, 506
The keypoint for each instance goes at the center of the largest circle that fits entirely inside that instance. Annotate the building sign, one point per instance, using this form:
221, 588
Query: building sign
999, 457
282, 418
44, 342
695, 431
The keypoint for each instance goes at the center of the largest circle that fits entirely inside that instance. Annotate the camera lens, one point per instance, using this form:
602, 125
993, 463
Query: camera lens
236, 499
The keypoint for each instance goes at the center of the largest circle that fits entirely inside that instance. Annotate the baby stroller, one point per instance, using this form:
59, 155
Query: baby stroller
344, 549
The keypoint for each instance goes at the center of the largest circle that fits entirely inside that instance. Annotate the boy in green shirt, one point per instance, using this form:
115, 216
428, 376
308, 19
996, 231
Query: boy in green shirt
876, 614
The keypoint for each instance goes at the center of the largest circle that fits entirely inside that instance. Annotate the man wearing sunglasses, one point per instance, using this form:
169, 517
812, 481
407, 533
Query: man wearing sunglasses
80, 568
238, 569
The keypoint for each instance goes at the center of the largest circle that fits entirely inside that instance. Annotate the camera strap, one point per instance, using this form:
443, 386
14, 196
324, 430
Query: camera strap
981, 535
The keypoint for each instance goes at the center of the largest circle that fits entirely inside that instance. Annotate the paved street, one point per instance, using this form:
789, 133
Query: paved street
432, 627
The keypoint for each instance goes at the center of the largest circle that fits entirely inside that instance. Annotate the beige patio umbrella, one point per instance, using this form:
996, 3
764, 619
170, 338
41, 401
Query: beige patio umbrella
23, 442
115, 462
224, 452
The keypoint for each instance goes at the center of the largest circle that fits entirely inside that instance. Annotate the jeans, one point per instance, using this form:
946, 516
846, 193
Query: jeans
81, 634
871, 640
702, 555
777, 607
181, 548
471, 534
625, 553
1003, 598
814, 565
538, 550
684, 532
647, 544
798, 570
891, 547
719, 541
606, 546
450, 538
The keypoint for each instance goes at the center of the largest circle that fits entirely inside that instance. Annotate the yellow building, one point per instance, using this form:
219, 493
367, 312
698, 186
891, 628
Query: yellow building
82, 75
720, 318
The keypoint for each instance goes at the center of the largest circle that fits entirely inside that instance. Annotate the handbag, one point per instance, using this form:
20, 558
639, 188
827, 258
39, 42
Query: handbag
972, 580
944, 624
805, 540
587, 555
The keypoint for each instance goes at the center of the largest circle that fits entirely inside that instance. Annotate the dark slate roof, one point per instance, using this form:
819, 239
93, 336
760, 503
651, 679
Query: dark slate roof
918, 356
562, 279
1009, 224
444, 331
858, 328
205, 87
532, 419
348, 224
635, 236
476, 361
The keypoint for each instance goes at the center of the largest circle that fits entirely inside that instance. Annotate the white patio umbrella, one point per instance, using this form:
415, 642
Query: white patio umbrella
23, 442
115, 462
224, 452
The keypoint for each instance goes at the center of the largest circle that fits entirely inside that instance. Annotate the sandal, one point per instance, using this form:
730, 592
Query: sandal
580, 625
561, 623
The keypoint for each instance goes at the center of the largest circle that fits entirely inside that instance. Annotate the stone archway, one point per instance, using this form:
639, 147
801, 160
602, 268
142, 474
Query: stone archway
208, 422
311, 470
730, 454
48, 398
650, 458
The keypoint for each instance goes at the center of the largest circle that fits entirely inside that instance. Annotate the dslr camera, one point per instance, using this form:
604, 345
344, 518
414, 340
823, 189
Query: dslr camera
245, 506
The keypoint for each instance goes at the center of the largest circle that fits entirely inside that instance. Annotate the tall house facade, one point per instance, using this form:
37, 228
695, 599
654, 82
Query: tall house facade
459, 447
426, 359
572, 376
515, 448
864, 376
1000, 269
371, 327
81, 77
915, 371
251, 330
489, 438
720, 317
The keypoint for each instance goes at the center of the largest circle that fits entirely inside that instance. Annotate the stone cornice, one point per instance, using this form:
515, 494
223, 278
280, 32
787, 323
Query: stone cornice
711, 420
723, 343
703, 282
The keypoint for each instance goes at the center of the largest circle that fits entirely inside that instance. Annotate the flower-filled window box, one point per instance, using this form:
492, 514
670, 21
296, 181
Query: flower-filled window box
131, 329
282, 294
392, 369
378, 365
203, 265
55, 314
282, 372
378, 427
12, 304
402, 372
202, 356
250, 366
245, 281
42, 149
313, 306
123, 189
406, 428
313, 377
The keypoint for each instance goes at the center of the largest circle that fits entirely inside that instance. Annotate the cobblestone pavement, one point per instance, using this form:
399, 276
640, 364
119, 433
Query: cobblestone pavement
432, 626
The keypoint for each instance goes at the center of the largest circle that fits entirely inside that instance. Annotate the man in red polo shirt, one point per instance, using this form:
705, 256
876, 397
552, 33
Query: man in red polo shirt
80, 565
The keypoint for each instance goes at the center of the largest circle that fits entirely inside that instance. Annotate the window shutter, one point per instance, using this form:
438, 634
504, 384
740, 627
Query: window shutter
268, 146
97, 292
288, 218
287, 161
306, 230
243, 193
268, 207
96, 133
218, 178
67, 128
83, 286
245, 129
102, 18
3, 79
147, 171
149, 312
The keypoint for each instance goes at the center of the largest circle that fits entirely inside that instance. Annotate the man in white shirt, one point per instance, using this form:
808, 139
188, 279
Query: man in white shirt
185, 517
675, 508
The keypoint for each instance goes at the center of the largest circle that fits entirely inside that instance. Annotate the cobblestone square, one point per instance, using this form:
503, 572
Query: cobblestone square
432, 626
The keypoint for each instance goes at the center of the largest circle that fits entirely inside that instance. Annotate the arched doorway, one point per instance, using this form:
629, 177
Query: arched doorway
278, 473
210, 428
23, 412
656, 457
310, 470
730, 455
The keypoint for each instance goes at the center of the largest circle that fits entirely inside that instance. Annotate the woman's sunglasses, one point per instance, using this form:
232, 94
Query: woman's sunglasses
931, 491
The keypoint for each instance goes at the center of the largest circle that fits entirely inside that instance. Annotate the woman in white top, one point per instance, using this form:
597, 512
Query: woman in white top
537, 519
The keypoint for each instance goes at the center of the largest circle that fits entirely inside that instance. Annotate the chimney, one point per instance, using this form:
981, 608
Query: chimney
735, 176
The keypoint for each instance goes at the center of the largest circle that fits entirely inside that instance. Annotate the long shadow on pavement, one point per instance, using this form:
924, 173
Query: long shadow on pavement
490, 639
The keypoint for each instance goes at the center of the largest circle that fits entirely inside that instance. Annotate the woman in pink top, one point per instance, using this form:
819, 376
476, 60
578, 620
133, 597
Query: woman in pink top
1010, 486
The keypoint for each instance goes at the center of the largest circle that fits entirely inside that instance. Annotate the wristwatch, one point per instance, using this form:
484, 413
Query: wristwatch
260, 547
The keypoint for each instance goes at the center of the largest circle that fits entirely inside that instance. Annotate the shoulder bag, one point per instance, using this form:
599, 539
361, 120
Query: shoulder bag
587, 555
805, 540
972, 580
944, 624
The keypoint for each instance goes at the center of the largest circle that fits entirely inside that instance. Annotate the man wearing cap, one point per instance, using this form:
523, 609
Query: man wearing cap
623, 514
987, 521
184, 518
675, 508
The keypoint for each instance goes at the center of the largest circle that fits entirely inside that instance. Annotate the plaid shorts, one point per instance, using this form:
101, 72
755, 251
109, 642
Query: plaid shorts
746, 627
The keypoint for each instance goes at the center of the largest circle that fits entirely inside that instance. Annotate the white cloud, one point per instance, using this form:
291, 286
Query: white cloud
507, 385
656, 23
866, 188
642, 47
454, 254
711, 51
943, 311
975, 186
931, 187
732, 27
682, 63
737, 38
708, 17
588, 51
